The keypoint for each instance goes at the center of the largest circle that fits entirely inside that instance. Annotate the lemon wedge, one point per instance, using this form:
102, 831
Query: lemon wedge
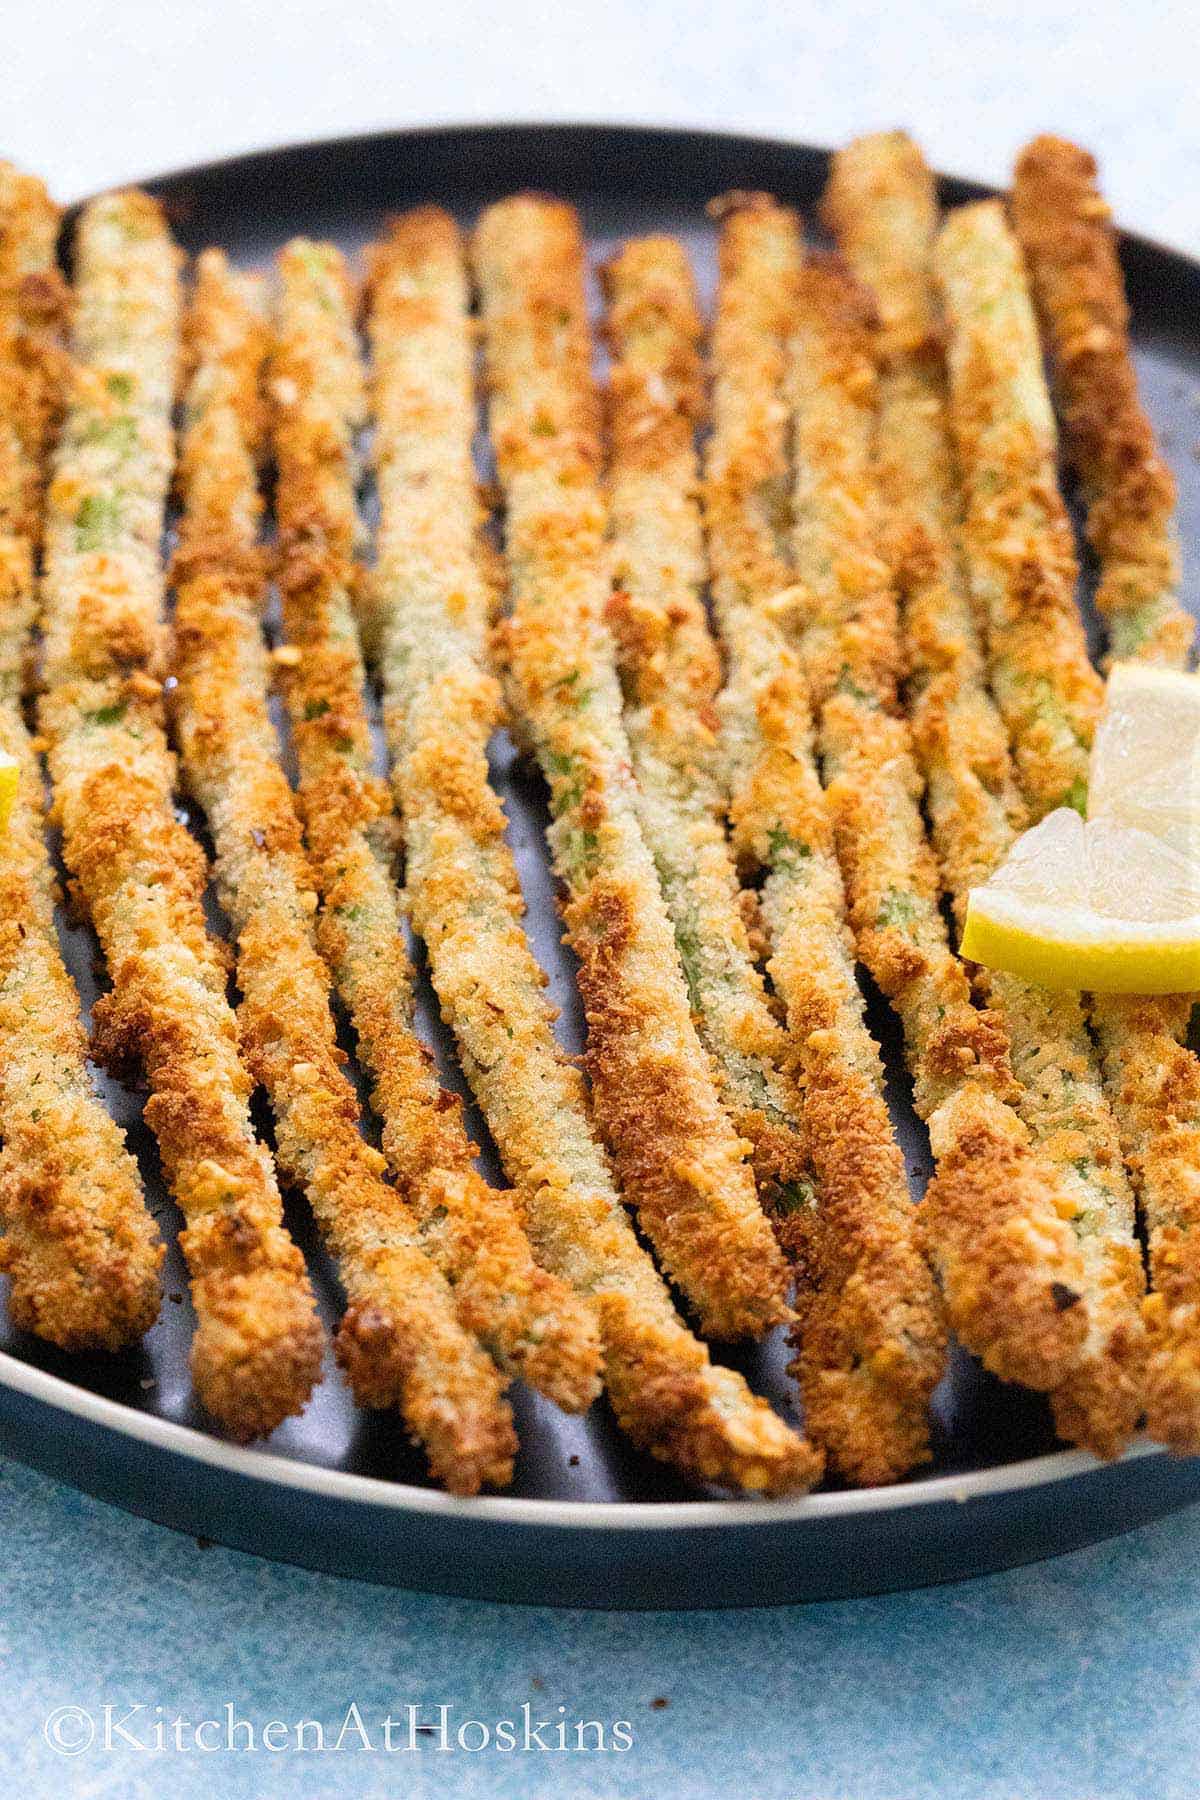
10, 775
1098, 906
1145, 763
1113, 905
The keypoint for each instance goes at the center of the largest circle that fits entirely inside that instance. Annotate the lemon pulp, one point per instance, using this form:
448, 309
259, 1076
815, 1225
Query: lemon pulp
1113, 905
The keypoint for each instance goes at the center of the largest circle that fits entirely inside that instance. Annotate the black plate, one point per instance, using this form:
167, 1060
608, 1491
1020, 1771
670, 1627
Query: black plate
588, 1522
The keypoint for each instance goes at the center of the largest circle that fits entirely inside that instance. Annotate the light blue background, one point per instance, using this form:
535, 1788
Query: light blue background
1073, 1680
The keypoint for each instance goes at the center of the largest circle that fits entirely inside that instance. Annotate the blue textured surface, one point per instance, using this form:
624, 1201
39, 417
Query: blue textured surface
1074, 1680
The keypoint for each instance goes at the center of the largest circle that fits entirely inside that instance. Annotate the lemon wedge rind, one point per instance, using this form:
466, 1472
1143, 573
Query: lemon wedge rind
10, 776
1079, 950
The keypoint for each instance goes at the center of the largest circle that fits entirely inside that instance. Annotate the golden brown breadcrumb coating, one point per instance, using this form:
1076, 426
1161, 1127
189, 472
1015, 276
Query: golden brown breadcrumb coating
1152, 1082
1065, 228
400, 1341
846, 625
882, 205
841, 614
80, 1248
844, 622
671, 675
1016, 534
532, 1321
529, 1320
34, 311
258, 1342
440, 706
680, 1164
872, 1343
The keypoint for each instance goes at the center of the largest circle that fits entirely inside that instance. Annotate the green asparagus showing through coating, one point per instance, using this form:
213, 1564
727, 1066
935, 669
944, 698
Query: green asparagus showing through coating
882, 205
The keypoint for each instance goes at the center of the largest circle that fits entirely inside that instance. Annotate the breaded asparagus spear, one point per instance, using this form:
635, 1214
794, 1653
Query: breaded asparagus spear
844, 622
1017, 535
80, 1248
680, 1163
1016, 1308
529, 1320
440, 706
34, 309
985, 1251
1065, 230
142, 876
671, 675
1153, 1080
882, 205
399, 1341
872, 1343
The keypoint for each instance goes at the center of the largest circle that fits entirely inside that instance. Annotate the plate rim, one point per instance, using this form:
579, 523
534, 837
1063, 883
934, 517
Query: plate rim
65, 1397
382, 134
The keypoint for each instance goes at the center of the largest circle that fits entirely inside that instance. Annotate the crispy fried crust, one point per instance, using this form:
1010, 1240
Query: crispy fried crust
846, 630
1016, 533
882, 206
1152, 1080
440, 706
258, 1343
680, 1163
1066, 232
1148, 1076
872, 1345
1155, 1086
529, 1320
400, 1341
79, 1247
842, 616
1064, 226
671, 675
34, 311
